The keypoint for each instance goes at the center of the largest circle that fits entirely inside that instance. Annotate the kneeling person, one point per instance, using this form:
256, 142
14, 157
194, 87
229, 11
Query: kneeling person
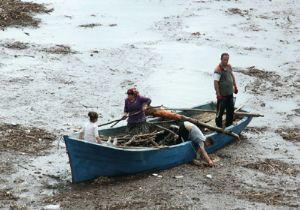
189, 131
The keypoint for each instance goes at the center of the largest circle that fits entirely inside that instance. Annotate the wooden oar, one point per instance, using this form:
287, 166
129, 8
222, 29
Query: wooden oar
118, 120
238, 109
123, 118
214, 111
199, 123
176, 116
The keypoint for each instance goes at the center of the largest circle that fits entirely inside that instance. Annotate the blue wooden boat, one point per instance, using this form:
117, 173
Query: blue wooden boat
90, 160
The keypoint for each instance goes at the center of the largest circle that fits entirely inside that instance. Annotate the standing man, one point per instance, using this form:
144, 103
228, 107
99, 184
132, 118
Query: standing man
225, 85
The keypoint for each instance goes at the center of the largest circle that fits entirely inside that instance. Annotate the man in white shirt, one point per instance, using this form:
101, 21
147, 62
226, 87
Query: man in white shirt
189, 131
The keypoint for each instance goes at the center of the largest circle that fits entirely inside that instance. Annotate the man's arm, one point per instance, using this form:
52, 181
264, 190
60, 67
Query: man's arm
207, 158
126, 112
145, 100
81, 135
234, 83
217, 87
234, 80
217, 77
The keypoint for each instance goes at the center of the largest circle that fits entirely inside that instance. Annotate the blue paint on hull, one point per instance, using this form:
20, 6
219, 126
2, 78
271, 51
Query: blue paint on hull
89, 160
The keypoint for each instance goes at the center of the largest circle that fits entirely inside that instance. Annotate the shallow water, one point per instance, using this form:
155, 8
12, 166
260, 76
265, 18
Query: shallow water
133, 19
151, 47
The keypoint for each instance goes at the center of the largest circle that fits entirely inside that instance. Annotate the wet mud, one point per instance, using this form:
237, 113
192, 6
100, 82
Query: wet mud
260, 172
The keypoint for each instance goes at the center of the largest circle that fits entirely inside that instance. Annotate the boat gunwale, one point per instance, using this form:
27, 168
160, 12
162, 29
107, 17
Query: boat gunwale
142, 149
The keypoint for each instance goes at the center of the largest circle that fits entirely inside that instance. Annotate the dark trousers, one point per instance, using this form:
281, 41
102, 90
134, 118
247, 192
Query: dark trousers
226, 103
137, 128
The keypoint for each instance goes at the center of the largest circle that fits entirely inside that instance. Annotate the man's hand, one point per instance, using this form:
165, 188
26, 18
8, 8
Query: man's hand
219, 97
98, 139
124, 116
210, 163
235, 90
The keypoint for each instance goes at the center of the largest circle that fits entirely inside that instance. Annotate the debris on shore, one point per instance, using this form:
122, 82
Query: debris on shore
289, 134
59, 49
17, 13
270, 166
24, 139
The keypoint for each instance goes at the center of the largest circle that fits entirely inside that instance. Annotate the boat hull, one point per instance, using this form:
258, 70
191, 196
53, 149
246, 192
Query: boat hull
90, 160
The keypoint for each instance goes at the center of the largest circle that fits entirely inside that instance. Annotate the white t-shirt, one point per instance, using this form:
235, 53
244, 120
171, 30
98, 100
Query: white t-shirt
90, 131
217, 76
196, 134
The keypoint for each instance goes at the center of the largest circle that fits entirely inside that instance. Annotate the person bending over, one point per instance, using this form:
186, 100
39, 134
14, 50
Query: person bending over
189, 131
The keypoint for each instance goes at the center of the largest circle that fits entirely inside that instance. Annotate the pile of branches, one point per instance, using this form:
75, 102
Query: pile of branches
157, 138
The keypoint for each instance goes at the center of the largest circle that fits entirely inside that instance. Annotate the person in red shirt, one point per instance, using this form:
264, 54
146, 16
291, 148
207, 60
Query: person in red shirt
225, 85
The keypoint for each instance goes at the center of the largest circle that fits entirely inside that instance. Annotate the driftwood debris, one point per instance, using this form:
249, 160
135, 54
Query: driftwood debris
161, 133
175, 116
140, 140
214, 111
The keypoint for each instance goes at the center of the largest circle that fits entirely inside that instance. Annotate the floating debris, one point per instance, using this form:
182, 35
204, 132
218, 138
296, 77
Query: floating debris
196, 34
90, 25
18, 13
269, 166
51, 207
15, 138
209, 176
16, 45
269, 198
260, 74
289, 134
237, 11
59, 49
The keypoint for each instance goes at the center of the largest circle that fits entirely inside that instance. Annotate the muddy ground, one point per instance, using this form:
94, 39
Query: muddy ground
261, 172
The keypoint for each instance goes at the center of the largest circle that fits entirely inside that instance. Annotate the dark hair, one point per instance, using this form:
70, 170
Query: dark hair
133, 91
93, 116
208, 142
224, 54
